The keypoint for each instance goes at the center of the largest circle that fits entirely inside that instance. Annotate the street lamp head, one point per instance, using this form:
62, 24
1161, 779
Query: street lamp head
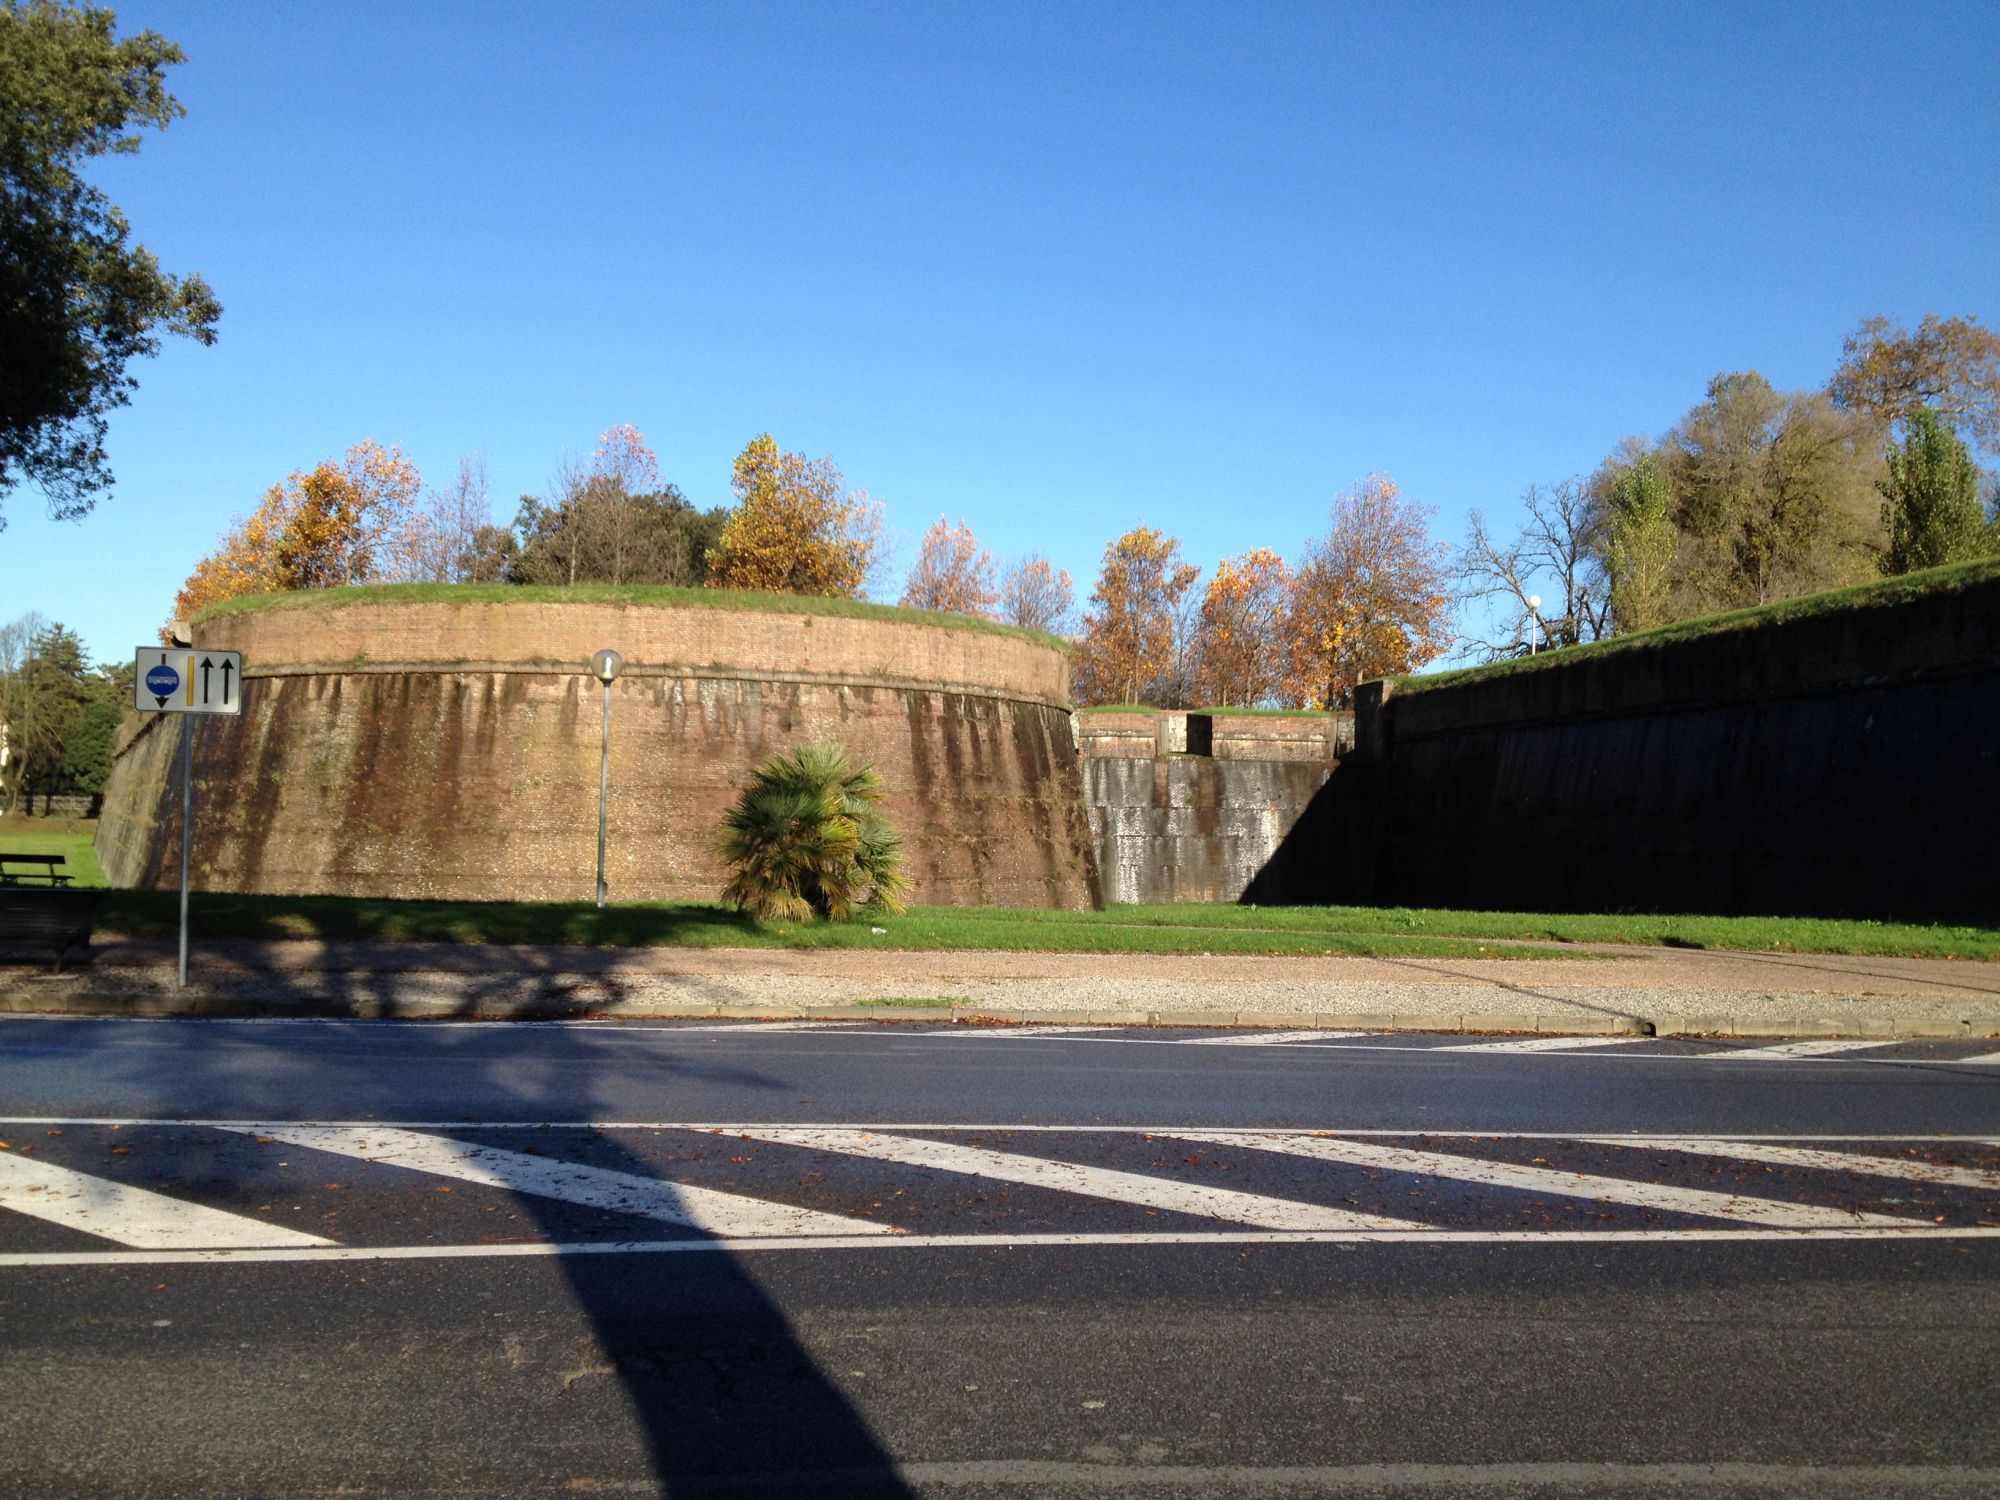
1534, 603
605, 665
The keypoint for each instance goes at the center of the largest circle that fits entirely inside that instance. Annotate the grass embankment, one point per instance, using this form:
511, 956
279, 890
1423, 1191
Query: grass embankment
20, 836
1885, 593
612, 593
1276, 931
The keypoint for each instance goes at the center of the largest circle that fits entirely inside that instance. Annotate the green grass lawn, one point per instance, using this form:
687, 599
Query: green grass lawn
74, 847
1282, 931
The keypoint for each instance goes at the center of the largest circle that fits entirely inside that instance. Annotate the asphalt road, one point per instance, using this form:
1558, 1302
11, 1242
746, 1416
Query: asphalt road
412, 1260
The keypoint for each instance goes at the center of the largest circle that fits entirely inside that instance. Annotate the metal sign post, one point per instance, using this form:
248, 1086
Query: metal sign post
186, 681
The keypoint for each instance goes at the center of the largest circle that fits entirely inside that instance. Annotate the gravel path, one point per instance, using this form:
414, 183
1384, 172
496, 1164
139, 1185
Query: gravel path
1618, 989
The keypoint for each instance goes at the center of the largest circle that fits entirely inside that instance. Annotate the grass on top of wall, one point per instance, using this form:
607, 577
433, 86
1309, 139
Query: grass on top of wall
1277, 931
1885, 593
612, 593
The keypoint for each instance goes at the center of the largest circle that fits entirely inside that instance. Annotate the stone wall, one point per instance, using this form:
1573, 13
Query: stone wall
1192, 807
450, 750
1842, 763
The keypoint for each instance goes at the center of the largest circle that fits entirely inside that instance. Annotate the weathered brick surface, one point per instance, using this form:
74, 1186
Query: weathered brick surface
424, 751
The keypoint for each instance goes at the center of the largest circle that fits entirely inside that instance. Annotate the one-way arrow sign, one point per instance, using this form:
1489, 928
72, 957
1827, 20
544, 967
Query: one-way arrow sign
181, 680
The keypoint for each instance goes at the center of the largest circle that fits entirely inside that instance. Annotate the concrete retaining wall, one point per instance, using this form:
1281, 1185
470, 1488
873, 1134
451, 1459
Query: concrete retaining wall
1192, 807
1841, 764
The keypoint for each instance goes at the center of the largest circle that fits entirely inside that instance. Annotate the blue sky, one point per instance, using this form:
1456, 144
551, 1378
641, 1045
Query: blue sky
1054, 269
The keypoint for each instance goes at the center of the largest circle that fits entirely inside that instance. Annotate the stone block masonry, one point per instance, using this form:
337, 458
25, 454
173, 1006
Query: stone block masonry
450, 751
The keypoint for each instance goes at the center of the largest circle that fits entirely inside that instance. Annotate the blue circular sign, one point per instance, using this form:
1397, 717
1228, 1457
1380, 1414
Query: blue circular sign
163, 681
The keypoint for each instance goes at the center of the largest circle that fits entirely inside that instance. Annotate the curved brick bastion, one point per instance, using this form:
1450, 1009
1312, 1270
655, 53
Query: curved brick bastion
449, 749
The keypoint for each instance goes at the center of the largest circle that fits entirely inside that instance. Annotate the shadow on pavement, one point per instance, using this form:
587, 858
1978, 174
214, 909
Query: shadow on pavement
724, 1394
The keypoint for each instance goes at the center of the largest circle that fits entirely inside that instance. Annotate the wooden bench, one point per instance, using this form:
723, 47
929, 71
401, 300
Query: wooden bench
48, 868
46, 921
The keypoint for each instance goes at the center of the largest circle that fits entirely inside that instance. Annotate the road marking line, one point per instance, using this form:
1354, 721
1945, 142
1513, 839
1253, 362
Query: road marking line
132, 1216
1988, 1059
729, 1215
1551, 1044
1548, 1180
1820, 1161
1414, 1236
1798, 1049
1434, 1132
1026, 1032
1269, 1038
720, 1027
1067, 1177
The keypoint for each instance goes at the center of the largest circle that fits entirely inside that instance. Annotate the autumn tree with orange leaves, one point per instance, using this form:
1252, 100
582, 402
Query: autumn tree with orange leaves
1129, 636
951, 572
333, 524
1239, 653
796, 529
1372, 598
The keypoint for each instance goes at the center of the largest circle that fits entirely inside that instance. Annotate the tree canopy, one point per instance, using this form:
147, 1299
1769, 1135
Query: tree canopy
796, 528
1930, 499
952, 572
79, 301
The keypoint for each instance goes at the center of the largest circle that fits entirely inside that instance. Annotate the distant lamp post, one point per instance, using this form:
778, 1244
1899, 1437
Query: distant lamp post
604, 666
1534, 625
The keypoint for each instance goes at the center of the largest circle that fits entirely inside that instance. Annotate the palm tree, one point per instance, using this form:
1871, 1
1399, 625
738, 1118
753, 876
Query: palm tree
805, 839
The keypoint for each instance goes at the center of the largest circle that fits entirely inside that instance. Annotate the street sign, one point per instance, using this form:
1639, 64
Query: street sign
185, 680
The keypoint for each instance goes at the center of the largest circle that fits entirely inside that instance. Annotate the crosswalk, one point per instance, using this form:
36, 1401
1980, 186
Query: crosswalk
122, 1192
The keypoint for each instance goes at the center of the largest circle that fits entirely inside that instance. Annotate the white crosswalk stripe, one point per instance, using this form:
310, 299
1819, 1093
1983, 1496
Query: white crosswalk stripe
1797, 1049
137, 1217
1271, 1038
1815, 1159
1550, 1044
1095, 1182
1544, 1180
730, 1215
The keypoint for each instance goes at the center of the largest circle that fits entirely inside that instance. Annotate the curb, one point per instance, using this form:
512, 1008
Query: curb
196, 1004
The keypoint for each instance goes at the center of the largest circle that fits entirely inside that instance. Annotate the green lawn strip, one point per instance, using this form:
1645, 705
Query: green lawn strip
1750, 934
1190, 928
79, 856
696, 925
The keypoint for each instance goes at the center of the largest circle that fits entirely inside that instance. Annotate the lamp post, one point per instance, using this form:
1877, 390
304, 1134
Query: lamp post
1534, 622
604, 666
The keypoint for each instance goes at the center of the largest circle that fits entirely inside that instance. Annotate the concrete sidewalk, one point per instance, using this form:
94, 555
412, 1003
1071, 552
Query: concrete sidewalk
1619, 989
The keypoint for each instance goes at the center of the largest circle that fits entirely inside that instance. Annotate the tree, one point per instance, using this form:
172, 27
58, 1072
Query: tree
439, 539
1036, 595
796, 528
1238, 654
78, 301
612, 521
1951, 365
1555, 559
331, 525
1372, 597
1129, 636
806, 839
1774, 496
1930, 499
86, 761
1641, 545
951, 573
44, 705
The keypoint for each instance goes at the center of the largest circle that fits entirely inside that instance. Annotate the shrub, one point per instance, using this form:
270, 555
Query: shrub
805, 839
